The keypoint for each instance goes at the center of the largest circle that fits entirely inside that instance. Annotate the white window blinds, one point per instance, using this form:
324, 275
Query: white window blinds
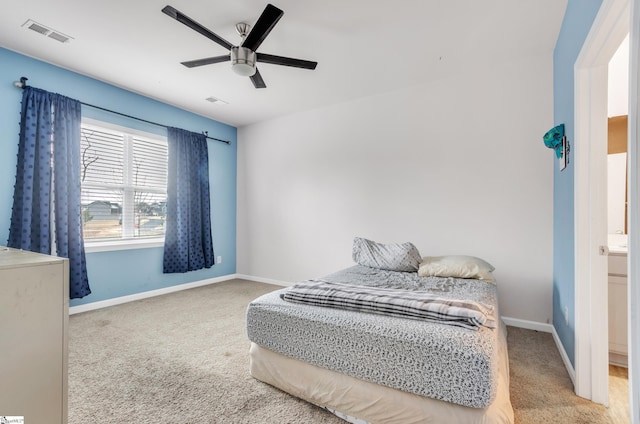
124, 183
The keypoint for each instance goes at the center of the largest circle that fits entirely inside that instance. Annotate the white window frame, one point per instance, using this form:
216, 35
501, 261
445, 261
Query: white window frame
127, 241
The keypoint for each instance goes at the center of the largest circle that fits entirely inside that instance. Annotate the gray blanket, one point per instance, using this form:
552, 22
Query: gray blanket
393, 302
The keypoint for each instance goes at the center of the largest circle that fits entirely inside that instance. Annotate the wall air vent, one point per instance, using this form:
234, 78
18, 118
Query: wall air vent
44, 30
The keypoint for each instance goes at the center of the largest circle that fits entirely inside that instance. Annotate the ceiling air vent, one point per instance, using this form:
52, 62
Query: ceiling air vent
59, 37
51, 33
217, 101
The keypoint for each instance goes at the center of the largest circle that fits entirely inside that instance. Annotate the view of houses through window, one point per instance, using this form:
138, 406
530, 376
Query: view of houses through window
124, 183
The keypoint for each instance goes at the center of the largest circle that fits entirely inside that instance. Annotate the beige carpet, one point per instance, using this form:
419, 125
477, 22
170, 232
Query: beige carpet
541, 390
183, 358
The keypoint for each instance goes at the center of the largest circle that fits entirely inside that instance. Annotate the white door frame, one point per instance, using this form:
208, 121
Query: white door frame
590, 199
634, 213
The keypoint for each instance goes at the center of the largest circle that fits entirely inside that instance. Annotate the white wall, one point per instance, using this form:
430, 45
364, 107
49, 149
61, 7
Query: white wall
618, 81
456, 166
617, 105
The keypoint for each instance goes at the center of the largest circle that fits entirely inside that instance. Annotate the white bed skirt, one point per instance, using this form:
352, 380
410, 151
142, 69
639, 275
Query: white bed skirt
372, 403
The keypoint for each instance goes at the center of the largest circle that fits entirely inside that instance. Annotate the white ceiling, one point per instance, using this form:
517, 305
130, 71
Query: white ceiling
362, 47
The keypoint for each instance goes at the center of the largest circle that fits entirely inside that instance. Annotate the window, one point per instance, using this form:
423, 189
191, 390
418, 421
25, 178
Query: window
124, 183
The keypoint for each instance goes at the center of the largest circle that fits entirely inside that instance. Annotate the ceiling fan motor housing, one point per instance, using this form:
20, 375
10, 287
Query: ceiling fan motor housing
243, 61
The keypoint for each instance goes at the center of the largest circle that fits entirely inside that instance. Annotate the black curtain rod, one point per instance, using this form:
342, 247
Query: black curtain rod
23, 84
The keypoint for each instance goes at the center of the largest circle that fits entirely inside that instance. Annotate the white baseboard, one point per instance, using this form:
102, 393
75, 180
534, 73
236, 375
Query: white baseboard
546, 328
565, 357
263, 280
529, 325
145, 295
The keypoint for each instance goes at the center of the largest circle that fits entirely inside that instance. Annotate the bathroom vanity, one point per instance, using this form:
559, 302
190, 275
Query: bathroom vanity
618, 310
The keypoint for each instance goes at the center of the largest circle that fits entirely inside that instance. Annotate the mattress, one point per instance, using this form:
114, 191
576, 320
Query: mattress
432, 360
362, 402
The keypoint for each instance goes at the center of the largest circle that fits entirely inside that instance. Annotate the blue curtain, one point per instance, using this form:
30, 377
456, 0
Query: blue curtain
188, 244
48, 183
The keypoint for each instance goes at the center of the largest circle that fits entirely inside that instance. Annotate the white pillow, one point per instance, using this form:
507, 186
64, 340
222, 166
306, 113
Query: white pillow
456, 266
393, 257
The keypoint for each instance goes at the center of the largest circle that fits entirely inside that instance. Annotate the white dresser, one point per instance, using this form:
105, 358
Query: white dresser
34, 314
618, 311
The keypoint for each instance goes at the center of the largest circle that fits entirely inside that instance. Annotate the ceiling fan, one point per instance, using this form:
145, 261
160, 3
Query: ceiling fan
243, 57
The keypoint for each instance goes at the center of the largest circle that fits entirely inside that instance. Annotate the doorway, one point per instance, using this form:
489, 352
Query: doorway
617, 229
591, 333
590, 208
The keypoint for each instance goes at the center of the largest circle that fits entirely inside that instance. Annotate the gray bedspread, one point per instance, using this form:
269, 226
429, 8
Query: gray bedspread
429, 359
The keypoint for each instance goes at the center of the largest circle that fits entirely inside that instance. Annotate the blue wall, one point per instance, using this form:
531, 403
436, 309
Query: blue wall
119, 273
577, 21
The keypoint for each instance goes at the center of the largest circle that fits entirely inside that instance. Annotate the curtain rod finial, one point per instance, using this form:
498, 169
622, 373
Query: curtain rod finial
22, 83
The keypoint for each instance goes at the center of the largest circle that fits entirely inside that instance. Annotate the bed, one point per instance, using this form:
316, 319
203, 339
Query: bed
371, 367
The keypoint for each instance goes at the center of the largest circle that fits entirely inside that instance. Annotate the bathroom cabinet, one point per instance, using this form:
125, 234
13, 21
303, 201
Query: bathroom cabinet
618, 310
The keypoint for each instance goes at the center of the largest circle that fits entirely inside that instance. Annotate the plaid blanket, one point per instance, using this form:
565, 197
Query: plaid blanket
395, 302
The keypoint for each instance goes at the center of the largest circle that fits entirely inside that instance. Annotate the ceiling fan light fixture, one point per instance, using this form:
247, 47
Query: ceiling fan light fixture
243, 61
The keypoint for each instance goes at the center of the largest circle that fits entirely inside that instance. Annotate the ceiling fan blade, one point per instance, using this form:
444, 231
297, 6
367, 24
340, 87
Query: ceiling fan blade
286, 61
257, 80
180, 17
269, 18
206, 61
